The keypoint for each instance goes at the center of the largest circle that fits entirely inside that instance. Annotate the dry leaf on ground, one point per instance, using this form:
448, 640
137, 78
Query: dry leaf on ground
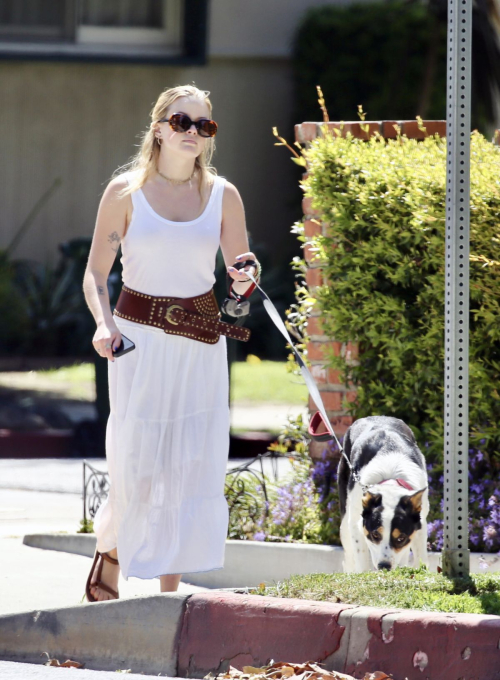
296, 671
66, 664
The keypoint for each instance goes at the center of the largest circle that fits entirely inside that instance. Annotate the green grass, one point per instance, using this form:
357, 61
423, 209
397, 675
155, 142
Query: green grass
76, 373
402, 588
251, 381
266, 381
69, 382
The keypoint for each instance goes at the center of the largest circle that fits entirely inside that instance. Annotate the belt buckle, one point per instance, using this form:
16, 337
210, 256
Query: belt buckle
168, 315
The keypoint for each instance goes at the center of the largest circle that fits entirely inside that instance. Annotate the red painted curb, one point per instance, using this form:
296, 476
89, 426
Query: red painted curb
219, 630
238, 630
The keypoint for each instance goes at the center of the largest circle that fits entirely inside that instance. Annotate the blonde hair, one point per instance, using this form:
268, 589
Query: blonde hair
145, 162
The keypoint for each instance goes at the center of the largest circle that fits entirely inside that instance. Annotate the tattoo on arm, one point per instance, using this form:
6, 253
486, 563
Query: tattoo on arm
100, 290
114, 239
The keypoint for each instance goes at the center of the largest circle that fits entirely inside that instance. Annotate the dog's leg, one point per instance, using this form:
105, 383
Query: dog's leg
345, 539
361, 553
419, 543
419, 547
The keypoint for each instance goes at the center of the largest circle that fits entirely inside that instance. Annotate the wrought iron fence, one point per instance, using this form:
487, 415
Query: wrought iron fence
96, 486
95, 489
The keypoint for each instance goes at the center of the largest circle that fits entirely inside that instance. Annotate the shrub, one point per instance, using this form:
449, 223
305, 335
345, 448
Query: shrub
384, 203
14, 320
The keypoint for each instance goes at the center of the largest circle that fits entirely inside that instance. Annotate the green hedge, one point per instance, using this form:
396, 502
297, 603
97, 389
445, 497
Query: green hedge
384, 252
374, 53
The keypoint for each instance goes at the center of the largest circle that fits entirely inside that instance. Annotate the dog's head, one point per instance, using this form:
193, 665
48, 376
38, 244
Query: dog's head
390, 519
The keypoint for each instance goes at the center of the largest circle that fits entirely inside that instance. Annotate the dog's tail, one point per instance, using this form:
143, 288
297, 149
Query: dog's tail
343, 473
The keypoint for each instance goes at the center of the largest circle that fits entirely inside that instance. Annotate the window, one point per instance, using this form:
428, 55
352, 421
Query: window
148, 23
100, 28
32, 20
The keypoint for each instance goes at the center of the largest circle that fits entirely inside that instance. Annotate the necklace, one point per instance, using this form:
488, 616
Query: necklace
177, 181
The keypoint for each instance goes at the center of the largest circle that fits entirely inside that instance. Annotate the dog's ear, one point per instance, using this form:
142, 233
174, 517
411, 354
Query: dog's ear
371, 500
414, 502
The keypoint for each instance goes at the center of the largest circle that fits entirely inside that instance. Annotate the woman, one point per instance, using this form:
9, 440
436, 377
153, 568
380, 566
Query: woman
167, 436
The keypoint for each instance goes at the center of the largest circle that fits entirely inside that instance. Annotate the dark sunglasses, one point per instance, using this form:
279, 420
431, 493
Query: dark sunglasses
182, 123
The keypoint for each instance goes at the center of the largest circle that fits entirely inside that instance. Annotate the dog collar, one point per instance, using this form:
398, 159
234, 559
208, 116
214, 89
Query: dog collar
401, 482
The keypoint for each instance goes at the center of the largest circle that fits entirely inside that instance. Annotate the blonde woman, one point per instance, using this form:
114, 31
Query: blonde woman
167, 436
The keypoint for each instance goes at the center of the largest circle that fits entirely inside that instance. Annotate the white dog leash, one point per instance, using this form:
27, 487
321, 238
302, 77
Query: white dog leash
311, 385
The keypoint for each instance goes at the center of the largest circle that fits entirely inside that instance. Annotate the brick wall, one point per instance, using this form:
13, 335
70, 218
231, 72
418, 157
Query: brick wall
333, 392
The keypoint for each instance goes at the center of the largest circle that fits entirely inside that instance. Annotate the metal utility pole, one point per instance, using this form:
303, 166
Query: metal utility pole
456, 400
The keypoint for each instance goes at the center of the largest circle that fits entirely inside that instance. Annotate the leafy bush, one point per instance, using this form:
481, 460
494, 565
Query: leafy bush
14, 320
53, 306
384, 202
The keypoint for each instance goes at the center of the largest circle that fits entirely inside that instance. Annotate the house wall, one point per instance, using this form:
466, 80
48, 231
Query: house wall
79, 121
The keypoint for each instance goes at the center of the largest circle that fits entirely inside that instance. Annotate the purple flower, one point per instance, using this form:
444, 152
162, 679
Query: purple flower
490, 531
259, 536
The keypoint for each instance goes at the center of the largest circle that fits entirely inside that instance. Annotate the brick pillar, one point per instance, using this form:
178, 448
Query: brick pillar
333, 392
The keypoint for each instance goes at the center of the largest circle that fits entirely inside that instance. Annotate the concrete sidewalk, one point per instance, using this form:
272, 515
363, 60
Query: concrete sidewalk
41, 496
10, 670
65, 475
31, 578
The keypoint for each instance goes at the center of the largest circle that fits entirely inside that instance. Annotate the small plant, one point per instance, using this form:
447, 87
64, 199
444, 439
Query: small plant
86, 527
484, 505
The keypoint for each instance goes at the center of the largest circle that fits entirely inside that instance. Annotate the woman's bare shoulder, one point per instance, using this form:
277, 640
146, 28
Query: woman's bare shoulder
114, 187
231, 194
118, 206
121, 181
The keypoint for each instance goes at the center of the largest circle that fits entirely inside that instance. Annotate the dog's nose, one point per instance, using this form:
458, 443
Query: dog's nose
384, 565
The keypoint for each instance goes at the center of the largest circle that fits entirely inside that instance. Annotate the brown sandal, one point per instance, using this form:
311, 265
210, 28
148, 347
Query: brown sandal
99, 583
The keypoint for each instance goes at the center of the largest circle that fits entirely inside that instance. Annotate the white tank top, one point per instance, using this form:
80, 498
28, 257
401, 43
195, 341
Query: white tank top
175, 259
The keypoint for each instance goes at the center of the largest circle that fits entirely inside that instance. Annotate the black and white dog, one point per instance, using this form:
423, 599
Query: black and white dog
382, 523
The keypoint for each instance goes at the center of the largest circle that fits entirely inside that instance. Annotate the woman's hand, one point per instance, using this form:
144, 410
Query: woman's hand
106, 338
239, 274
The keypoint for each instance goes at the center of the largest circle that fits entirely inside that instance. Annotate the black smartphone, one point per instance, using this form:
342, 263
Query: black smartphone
125, 346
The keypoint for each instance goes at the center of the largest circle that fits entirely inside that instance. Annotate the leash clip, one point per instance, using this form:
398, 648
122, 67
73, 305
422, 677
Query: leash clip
237, 305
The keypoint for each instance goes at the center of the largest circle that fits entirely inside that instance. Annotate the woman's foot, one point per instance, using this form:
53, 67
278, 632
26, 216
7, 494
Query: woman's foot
109, 577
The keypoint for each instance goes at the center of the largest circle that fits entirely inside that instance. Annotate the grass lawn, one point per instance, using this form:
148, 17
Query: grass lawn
403, 588
72, 382
266, 381
251, 381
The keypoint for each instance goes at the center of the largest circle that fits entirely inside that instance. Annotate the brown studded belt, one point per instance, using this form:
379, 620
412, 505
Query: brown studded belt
197, 317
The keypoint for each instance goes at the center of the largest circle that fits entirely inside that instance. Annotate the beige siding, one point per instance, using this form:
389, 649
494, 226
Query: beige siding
79, 121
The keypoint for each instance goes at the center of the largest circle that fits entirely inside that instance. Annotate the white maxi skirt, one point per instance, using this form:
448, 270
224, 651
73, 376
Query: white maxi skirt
167, 445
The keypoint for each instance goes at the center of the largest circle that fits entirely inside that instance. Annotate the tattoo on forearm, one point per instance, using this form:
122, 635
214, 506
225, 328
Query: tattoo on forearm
100, 290
114, 239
